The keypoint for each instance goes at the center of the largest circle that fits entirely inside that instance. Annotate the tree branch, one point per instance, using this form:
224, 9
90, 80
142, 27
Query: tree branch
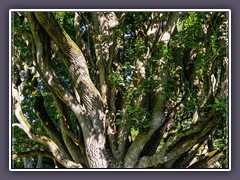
41, 139
210, 159
43, 58
80, 42
48, 125
75, 60
75, 147
176, 147
32, 153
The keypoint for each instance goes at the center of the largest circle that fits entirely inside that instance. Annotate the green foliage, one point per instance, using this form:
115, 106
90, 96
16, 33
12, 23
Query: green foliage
66, 20
190, 33
219, 106
119, 30
116, 79
139, 47
134, 132
137, 117
194, 54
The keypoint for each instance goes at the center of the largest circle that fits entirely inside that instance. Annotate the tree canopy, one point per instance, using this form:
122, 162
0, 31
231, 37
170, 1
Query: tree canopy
120, 89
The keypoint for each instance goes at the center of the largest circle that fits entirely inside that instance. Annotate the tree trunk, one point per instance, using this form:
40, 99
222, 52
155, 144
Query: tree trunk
39, 162
113, 92
27, 162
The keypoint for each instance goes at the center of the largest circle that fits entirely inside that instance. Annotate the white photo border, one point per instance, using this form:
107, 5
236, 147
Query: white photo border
119, 10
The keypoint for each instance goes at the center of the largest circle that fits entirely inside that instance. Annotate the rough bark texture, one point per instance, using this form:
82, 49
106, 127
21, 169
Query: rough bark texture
126, 113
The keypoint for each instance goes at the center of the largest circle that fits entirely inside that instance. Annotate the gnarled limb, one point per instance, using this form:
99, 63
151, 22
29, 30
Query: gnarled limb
92, 120
41, 139
75, 147
32, 153
48, 125
180, 143
42, 63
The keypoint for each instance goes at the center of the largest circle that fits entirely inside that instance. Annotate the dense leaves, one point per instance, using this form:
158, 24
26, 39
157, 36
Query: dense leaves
120, 89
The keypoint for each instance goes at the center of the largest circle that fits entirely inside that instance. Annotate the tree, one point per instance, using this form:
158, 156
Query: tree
120, 89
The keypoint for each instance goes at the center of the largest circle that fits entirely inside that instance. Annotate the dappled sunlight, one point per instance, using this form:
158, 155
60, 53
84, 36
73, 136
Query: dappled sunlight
120, 89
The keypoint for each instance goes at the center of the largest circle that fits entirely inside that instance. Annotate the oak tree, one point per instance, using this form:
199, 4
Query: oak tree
120, 89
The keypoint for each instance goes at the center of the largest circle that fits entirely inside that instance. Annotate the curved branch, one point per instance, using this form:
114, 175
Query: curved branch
32, 153
137, 146
80, 42
75, 147
75, 60
48, 125
93, 122
41, 139
180, 143
42, 63
209, 160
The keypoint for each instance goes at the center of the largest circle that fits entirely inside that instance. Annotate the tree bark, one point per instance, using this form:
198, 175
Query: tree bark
91, 115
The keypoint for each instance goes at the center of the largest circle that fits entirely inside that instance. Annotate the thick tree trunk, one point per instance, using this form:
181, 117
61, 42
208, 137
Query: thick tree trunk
95, 103
90, 114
